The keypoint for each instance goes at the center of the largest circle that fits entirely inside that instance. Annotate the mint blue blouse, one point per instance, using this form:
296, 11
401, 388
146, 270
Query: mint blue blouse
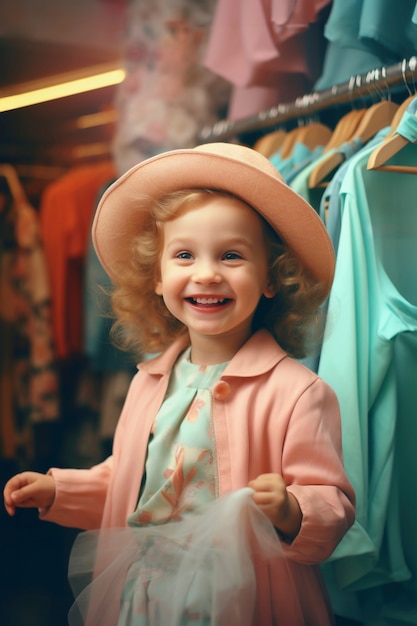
181, 464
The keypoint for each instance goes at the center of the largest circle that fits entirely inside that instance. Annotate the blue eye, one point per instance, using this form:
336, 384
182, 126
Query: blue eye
184, 255
231, 256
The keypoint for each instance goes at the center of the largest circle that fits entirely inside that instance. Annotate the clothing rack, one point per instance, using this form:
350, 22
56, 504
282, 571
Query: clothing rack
361, 86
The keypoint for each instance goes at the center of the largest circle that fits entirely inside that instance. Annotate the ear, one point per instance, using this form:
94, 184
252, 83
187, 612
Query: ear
270, 290
158, 288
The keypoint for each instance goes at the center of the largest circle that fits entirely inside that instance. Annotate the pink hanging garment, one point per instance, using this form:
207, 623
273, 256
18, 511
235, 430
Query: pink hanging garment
269, 50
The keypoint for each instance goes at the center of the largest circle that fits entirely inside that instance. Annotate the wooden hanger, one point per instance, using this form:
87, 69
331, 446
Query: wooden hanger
383, 153
270, 143
378, 116
371, 121
399, 115
392, 144
344, 129
342, 133
9, 173
311, 135
288, 143
323, 169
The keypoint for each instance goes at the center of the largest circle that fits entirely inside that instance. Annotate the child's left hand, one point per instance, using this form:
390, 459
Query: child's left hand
280, 506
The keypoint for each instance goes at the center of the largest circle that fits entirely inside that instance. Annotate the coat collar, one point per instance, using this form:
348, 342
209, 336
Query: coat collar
258, 355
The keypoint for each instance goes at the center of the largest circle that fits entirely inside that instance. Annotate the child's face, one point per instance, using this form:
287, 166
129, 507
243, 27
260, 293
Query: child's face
214, 270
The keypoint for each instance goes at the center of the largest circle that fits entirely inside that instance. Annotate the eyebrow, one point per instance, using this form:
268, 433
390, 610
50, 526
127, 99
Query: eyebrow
229, 242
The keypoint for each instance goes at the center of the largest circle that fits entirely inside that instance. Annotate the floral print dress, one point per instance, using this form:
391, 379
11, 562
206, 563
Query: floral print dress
180, 476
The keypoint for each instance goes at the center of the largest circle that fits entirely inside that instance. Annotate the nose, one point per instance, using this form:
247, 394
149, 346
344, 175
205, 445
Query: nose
206, 272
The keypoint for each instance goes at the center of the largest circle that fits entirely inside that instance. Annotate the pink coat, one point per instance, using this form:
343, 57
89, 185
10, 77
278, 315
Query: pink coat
270, 414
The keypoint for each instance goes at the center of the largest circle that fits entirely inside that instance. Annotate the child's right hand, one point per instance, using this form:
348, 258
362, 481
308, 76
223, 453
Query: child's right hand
29, 489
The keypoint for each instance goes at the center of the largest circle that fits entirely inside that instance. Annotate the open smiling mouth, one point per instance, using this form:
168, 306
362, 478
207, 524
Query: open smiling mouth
208, 302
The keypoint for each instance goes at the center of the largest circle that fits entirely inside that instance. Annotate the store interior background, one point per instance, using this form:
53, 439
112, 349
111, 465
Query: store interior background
41, 41
44, 41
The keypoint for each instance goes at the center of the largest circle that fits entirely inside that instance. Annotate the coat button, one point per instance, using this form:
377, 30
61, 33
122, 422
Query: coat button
221, 390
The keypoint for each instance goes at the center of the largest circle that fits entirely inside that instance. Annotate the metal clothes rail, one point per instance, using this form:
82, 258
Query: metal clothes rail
375, 82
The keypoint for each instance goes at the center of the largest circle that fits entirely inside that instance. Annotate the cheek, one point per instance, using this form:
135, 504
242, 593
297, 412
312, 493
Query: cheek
166, 281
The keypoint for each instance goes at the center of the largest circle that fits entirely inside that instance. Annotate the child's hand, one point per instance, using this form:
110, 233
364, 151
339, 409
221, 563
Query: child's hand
277, 503
29, 489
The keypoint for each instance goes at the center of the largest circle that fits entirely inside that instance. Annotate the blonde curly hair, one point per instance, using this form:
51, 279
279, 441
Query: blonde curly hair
145, 325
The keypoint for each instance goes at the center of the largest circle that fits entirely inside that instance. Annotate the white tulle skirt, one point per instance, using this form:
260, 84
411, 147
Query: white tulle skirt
197, 572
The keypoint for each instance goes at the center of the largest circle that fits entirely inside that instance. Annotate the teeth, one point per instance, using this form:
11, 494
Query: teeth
209, 300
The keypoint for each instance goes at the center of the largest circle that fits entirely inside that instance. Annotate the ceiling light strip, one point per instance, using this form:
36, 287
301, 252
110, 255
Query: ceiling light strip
61, 90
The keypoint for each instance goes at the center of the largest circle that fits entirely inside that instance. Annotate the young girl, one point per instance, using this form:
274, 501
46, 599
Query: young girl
220, 266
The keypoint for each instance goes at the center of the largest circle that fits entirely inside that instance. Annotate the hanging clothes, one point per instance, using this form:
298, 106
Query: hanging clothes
28, 376
269, 52
329, 205
66, 209
365, 34
300, 157
168, 95
369, 358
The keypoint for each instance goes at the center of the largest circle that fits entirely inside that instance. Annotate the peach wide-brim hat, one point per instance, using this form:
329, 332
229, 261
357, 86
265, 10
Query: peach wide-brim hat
124, 207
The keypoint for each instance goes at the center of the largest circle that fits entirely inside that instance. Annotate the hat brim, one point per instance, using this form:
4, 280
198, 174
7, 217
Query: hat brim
124, 207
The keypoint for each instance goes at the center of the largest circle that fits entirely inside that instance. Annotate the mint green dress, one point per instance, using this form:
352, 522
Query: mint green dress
180, 476
369, 357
